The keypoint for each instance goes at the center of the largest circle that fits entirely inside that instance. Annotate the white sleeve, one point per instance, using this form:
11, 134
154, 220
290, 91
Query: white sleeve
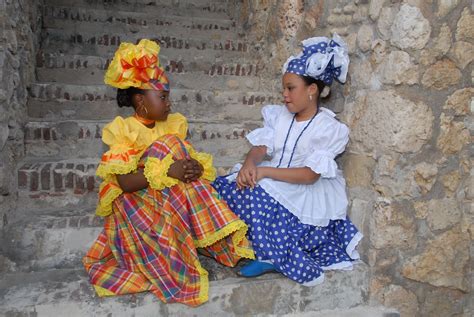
327, 147
266, 135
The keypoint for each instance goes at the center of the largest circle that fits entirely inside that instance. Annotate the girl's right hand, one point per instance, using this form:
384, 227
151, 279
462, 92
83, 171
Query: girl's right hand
247, 176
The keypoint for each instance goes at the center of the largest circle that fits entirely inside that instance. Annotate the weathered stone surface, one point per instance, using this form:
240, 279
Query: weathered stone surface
379, 50
441, 75
365, 37
400, 183
469, 190
374, 8
451, 182
421, 209
391, 226
410, 29
443, 213
440, 46
313, 15
425, 176
361, 72
290, 17
351, 41
443, 302
403, 300
460, 101
397, 68
465, 27
358, 170
453, 135
384, 23
446, 6
444, 262
462, 53
391, 122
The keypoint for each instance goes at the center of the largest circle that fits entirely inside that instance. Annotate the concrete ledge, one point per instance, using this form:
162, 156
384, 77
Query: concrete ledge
58, 292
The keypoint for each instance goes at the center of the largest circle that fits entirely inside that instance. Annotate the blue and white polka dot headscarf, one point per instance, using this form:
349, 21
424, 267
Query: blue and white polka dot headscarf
322, 59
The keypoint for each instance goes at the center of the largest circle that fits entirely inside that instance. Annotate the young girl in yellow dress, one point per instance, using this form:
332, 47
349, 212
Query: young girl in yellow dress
156, 197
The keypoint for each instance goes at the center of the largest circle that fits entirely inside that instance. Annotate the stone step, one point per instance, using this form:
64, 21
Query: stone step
95, 65
54, 101
59, 239
194, 80
158, 16
53, 182
75, 139
93, 21
361, 311
53, 239
67, 291
105, 43
190, 8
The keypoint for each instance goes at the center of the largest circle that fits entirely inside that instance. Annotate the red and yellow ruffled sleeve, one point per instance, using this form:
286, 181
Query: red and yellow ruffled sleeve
109, 190
121, 158
123, 154
206, 161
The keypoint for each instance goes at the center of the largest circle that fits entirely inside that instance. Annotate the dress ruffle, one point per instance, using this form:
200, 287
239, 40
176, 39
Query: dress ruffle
322, 162
156, 172
109, 190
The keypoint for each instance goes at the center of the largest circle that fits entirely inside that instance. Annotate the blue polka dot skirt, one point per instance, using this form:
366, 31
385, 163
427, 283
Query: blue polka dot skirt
299, 251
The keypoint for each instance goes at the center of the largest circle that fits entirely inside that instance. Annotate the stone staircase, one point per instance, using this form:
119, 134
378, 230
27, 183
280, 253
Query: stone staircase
218, 82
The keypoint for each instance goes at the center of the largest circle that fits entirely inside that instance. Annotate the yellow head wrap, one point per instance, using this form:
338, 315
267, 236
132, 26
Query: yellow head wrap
137, 66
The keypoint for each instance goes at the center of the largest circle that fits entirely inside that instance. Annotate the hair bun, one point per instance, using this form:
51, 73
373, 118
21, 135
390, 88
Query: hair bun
123, 98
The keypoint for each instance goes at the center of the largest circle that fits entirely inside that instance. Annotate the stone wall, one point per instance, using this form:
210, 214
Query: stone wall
20, 26
408, 102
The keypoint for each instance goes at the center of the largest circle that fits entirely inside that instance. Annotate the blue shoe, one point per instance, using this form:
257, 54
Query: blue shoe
256, 268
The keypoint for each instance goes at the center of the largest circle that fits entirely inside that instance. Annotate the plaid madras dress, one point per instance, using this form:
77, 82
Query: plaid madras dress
150, 239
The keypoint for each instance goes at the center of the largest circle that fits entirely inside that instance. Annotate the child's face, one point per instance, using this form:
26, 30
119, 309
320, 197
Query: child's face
158, 104
296, 93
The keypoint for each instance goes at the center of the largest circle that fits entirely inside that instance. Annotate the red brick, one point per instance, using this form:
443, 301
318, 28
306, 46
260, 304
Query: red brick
46, 177
84, 222
37, 134
69, 180
34, 181
22, 179
58, 178
79, 186
46, 134
74, 222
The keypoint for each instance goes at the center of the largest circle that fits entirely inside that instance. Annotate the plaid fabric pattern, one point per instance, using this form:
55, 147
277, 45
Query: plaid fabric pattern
150, 241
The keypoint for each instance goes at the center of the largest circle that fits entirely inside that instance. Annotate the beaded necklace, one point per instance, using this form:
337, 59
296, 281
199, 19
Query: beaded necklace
297, 139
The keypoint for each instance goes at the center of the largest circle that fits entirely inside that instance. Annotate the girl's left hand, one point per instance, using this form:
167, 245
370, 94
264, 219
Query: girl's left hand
193, 170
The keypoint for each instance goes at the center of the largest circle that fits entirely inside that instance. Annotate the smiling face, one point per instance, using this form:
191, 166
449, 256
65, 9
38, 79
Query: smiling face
153, 104
296, 94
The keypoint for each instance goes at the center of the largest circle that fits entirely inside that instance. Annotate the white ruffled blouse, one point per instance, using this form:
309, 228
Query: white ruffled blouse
317, 148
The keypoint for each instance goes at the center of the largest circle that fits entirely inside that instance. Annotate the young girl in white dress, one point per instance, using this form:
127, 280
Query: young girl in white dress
295, 204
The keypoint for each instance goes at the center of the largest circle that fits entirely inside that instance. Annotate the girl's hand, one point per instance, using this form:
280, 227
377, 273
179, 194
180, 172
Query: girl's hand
247, 176
178, 170
193, 170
